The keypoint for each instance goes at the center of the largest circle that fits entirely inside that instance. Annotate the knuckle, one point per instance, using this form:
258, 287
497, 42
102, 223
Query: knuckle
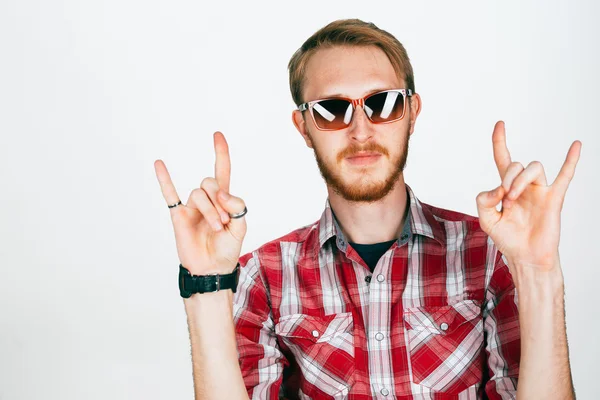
197, 194
200, 200
536, 164
208, 183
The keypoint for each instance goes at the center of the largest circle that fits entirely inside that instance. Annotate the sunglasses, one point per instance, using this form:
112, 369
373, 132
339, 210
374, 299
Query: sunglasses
336, 113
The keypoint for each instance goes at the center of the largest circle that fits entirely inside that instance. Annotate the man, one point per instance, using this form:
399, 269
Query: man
385, 296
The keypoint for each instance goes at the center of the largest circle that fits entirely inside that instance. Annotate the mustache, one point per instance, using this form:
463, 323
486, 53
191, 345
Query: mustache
355, 149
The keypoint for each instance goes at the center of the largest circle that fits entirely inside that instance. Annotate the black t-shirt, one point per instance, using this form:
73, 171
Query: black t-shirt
371, 253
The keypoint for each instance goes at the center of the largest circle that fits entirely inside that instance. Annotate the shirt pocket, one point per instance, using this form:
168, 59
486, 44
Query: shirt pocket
323, 348
445, 346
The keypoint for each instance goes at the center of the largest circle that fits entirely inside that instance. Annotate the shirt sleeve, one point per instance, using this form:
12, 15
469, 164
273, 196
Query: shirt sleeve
260, 358
501, 329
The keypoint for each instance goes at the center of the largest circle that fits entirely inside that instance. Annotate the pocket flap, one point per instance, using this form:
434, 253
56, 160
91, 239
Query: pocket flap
315, 329
441, 320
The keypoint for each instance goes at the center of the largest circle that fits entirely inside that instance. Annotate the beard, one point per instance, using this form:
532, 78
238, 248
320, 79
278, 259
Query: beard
366, 188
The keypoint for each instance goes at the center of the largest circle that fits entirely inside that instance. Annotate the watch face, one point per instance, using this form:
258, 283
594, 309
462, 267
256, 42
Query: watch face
183, 273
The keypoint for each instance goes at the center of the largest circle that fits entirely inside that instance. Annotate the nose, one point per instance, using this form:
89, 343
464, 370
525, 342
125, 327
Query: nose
361, 128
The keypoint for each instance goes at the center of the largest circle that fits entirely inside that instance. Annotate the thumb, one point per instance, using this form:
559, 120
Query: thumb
486, 207
233, 205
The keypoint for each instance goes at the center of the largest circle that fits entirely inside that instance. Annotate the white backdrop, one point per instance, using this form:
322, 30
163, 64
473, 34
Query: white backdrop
91, 93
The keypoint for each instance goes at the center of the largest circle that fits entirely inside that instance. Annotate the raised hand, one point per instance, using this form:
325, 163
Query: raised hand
208, 240
527, 229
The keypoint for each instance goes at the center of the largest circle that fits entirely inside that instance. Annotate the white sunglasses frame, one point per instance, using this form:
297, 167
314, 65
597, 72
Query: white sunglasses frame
354, 102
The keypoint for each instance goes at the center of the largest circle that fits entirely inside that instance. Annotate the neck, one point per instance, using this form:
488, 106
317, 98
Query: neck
368, 223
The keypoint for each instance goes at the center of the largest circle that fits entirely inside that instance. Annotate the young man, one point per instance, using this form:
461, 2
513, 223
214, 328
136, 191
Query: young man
384, 296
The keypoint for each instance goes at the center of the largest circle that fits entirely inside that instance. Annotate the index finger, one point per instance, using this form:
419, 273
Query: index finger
222, 161
501, 154
166, 185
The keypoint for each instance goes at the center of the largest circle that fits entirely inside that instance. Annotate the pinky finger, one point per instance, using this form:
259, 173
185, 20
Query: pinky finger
166, 184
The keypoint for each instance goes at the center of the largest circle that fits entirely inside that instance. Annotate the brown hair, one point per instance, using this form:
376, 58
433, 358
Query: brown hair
350, 32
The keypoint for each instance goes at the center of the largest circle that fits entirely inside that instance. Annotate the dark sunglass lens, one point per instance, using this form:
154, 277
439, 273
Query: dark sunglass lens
386, 106
332, 114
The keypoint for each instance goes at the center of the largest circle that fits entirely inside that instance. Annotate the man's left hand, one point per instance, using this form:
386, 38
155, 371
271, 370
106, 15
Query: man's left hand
527, 229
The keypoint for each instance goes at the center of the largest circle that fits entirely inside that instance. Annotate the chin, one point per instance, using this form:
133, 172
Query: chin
365, 190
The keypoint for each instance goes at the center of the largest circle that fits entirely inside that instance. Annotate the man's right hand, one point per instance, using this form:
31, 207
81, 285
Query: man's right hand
208, 240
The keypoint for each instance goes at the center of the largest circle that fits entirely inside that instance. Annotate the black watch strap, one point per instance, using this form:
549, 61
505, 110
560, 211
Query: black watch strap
190, 284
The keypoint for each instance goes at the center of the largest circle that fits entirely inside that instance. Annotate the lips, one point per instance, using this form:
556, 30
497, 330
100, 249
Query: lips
364, 158
364, 154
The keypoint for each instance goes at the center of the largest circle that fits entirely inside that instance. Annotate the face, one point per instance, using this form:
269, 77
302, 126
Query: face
361, 163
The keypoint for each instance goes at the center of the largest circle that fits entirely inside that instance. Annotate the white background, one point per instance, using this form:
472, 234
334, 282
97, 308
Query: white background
91, 93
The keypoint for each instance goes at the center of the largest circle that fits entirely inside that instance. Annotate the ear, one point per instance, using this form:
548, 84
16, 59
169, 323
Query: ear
300, 125
414, 110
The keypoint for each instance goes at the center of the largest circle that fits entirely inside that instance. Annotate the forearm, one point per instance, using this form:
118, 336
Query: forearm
216, 369
544, 371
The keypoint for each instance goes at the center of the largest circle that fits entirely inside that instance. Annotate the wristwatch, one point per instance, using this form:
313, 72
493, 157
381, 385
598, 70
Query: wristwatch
190, 284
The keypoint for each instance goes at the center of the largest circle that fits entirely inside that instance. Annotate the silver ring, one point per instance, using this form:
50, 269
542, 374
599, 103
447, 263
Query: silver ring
240, 214
175, 205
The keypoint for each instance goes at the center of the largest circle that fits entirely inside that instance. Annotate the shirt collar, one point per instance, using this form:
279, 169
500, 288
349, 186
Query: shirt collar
419, 221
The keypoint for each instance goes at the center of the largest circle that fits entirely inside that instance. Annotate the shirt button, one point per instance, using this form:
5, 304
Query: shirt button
444, 326
380, 278
315, 333
385, 392
368, 278
379, 336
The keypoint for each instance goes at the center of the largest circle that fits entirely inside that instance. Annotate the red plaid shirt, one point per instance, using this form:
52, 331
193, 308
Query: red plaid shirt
436, 319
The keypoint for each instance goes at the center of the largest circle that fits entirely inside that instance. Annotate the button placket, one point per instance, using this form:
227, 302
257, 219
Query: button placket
378, 330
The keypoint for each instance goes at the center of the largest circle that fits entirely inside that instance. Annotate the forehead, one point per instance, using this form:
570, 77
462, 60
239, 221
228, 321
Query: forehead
348, 71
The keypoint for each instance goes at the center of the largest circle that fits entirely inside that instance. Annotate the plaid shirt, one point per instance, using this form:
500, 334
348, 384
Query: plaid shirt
436, 319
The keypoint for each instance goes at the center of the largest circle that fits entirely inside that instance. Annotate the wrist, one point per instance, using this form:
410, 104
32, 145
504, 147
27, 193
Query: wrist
199, 303
190, 283
534, 280
209, 311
